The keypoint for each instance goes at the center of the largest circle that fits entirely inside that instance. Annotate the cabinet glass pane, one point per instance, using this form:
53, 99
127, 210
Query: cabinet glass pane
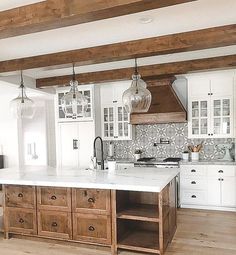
126, 129
87, 94
126, 117
120, 113
217, 107
226, 125
111, 115
195, 109
195, 126
60, 95
105, 130
61, 113
120, 129
204, 126
111, 130
203, 109
105, 114
226, 107
217, 122
88, 112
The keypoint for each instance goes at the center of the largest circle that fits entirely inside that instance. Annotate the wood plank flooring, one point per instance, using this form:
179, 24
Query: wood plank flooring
199, 232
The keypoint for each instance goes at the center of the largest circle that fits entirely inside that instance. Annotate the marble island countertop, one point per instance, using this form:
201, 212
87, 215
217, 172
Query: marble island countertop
133, 179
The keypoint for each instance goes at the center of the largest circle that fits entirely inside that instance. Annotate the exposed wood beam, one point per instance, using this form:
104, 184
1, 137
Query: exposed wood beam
147, 72
53, 14
182, 42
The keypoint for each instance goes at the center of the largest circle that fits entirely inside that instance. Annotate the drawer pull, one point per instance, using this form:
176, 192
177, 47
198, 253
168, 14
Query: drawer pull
21, 221
193, 182
193, 196
20, 195
91, 200
53, 197
91, 228
220, 171
54, 224
193, 171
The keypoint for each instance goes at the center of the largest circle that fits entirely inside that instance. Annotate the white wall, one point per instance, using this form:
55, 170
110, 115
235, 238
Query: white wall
8, 127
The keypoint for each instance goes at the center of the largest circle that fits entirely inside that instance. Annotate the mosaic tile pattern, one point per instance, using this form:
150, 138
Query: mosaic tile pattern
177, 133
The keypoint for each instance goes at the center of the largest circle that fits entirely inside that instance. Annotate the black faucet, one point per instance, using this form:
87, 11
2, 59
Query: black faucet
94, 151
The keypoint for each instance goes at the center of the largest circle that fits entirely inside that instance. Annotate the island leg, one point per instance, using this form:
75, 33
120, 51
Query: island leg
114, 223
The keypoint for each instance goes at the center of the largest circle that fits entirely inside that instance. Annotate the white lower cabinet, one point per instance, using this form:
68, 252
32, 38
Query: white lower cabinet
208, 186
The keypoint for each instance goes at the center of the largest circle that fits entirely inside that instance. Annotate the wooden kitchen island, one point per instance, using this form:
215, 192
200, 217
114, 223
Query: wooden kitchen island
133, 209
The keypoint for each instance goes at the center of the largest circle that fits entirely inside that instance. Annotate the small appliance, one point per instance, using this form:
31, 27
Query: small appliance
226, 147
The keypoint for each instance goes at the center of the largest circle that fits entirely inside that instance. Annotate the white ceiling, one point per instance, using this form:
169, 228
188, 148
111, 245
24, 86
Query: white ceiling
10, 4
184, 17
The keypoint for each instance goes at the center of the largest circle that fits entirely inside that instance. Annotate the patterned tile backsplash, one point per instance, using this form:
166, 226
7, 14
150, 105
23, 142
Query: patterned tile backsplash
177, 133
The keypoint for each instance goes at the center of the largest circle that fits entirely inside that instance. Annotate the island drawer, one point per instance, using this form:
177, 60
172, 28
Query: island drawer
52, 198
93, 201
54, 224
20, 196
92, 228
22, 221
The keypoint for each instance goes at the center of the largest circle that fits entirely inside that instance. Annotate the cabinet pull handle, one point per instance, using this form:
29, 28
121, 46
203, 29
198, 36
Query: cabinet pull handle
91, 228
220, 179
21, 221
53, 197
54, 224
220, 171
20, 195
193, 182
75, 144
91, 200
193, 196
114, 101
193, 171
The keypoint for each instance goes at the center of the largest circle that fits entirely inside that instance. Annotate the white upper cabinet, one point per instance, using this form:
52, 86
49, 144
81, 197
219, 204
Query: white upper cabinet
114, 118
211, 105
87, 91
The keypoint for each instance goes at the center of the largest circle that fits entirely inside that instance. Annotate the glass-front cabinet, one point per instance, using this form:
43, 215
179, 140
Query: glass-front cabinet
211, 117
115, 124
87, 91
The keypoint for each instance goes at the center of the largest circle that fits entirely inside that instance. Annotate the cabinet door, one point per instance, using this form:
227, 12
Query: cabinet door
222, 117
228, 195
68, 136
198, 86
222, 84
122, 123
214, 191
199, 122
108, 122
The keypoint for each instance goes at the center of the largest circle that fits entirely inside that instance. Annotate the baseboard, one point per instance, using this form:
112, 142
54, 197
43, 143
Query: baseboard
203, 207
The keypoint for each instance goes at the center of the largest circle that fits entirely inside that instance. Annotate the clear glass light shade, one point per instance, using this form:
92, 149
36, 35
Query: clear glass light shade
22, 106
74, 104
137, 98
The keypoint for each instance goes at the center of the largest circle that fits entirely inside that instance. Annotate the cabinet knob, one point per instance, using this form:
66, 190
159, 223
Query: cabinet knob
20, 195
54, 224
53, 197
193, 171
220, 171
193, 182
115, 136
91, 228
220, 179
193, 196
21, 221
91, 200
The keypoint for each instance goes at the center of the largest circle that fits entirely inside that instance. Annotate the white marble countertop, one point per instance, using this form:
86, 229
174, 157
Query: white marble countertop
133, 179
208, 162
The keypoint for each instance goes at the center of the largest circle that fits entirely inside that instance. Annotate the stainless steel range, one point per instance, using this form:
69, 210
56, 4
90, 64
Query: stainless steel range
158, 162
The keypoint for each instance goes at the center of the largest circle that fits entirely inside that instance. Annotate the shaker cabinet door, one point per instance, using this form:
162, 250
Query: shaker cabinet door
214, 192
228, 187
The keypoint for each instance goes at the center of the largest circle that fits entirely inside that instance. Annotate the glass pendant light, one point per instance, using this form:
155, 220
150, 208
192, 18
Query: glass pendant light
22, 106
137, 98
74, 103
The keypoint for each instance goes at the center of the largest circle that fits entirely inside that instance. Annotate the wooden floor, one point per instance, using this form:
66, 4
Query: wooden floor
199, 233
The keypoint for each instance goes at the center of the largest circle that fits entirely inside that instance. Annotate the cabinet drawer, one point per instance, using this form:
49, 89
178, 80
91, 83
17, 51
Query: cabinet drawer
54, 224
193, 197
91, 201
51, 198
193, 170
92, 228
124, 166
21, 221
20, 196
221, 170
193, 183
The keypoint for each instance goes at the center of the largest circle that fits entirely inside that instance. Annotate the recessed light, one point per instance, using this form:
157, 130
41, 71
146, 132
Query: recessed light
145, 20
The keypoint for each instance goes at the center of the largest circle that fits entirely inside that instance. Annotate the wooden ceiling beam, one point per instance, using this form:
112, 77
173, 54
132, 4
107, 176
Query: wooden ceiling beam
181, 42
148, 72
52, 14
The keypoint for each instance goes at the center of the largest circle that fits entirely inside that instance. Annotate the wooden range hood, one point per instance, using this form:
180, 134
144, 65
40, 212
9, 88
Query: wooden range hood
165, 107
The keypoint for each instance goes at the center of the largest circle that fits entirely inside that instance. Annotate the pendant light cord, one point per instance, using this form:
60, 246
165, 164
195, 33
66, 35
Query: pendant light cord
22, 87
136, 75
